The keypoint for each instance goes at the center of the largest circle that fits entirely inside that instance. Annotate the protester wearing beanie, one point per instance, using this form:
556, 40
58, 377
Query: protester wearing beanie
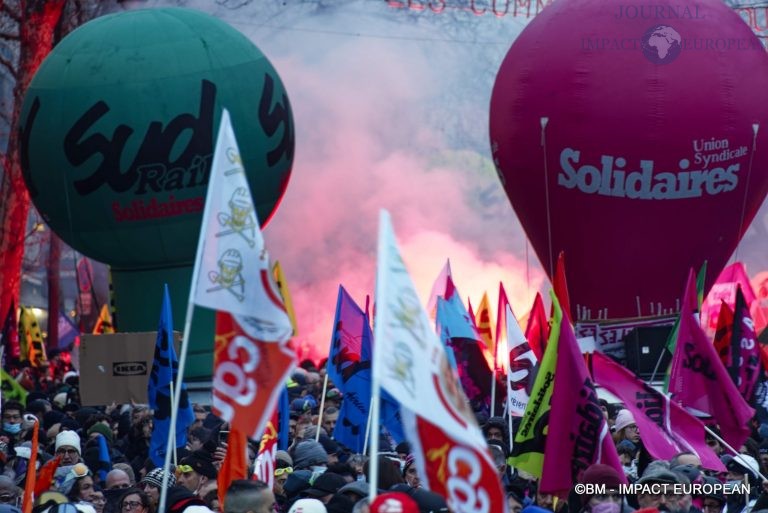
68, 447
197, 473
612, 501
153, 483
625, 428
102, 429
309, 454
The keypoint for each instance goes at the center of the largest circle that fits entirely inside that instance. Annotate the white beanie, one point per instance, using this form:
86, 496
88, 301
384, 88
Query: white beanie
68, 438
623, 419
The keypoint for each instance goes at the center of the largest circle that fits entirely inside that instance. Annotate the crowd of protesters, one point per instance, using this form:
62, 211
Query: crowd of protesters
311, 476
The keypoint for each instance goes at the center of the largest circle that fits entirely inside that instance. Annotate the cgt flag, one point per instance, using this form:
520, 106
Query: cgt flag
247, 375
411, 364
233, 271
264, 467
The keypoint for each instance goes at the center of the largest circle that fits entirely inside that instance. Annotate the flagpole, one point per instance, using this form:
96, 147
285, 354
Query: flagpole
367, 432
188, 320
175, 456
493, 389
379, 338
727, 446
322, 407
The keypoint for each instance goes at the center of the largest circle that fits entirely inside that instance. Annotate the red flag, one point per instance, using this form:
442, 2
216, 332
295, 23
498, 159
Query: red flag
9, 337
235, 464
560, 285
699, 381
537, 330
264, 469
45, 476
29, 487
723, 334
666, 427
246, 375
585, 438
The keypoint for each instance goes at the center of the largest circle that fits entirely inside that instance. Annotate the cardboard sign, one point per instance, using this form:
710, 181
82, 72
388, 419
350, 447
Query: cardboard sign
116, 367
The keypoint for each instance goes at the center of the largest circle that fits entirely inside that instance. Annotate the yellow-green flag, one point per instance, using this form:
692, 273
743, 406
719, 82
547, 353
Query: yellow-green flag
11, 389
531, 436
282, 285
31, 339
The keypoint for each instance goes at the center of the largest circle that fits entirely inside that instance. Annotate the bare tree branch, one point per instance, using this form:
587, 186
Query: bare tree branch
7, 64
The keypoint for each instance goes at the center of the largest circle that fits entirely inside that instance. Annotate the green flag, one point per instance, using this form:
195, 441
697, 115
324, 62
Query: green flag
11, 389
530, 439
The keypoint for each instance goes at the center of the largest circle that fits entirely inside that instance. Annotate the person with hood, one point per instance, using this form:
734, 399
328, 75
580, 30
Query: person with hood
496, 429
197, 473
742, 469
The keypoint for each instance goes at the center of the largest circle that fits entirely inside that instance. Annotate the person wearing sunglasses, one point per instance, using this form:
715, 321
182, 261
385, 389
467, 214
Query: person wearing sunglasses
134, 501
278, 485
197, 473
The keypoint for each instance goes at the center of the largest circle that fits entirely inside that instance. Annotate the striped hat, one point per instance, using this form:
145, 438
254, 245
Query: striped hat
155, 478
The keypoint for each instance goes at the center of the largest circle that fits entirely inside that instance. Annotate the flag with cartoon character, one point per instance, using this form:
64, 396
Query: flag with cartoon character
235, 274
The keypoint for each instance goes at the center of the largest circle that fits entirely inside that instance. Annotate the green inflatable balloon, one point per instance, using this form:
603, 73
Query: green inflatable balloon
118, 127
117, 135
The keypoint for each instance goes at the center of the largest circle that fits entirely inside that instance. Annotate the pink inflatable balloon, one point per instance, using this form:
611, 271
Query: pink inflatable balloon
634, 137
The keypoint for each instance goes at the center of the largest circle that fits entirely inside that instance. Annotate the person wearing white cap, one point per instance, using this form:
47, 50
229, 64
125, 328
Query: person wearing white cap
307, 506
625, 427
68, 447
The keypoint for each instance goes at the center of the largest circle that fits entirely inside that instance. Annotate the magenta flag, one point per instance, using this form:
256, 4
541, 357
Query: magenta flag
665, 427
578, 436
745, 350
699, 381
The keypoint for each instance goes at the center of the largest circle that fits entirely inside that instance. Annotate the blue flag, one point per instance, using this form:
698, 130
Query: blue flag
68, 332
165, 370
349, 367
283, 419
105, 461
460, 337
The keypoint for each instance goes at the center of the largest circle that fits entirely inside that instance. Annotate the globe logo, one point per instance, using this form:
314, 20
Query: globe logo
661, 44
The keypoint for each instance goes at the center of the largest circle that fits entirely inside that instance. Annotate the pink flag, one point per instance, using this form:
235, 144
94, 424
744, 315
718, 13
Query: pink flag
442, 287
745, 351
667, 429
699, 381
579, 434
724, 289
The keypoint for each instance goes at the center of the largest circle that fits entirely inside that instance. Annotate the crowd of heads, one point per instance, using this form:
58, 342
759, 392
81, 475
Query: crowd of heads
314, 473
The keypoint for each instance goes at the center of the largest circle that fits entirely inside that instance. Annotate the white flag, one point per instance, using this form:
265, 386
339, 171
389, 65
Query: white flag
411, 364
408, 357
234, 272
520, 366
